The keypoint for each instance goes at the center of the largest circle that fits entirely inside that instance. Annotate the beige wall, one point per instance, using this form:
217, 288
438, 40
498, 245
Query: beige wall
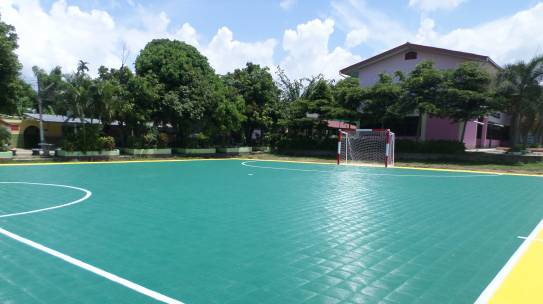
52, 131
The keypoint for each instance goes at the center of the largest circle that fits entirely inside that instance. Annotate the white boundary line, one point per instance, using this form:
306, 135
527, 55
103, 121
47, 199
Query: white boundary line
247, 164
491, 289
535, 240
126, 283
86, 196
112, 277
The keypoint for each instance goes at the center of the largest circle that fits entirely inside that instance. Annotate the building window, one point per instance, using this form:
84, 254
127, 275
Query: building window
410, 55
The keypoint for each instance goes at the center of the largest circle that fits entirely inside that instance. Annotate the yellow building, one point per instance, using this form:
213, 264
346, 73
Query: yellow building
25, 131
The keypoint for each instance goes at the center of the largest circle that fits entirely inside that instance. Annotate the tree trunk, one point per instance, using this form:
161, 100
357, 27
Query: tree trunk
464, 124
419, 127
515, 130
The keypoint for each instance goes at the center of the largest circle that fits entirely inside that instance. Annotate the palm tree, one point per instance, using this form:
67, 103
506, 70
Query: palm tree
519, 85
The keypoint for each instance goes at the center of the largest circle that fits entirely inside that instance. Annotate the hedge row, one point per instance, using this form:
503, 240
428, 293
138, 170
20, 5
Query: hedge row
431, 146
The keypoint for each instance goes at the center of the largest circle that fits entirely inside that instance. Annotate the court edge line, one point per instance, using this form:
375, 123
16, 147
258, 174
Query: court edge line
397, 167
268, 160
112, 277
86, 196
246, 164
498, 280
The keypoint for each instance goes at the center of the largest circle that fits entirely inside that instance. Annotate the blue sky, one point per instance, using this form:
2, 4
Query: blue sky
304, 37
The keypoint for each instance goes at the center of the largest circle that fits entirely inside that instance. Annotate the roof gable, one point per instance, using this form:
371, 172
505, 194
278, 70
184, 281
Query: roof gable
351, 70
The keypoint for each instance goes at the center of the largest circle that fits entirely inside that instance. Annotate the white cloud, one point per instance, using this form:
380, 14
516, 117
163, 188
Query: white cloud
287, 4
356, 37
308, 52
426, 30
61, 36
65, 34
432, 5
382, 31
226, 54
504, 40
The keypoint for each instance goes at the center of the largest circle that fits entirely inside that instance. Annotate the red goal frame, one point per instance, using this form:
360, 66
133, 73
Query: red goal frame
389, 138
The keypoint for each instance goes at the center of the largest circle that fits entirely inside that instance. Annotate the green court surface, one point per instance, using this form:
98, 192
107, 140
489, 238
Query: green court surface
234, 231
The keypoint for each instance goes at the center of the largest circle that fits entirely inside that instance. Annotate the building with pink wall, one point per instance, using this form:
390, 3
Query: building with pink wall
405, 58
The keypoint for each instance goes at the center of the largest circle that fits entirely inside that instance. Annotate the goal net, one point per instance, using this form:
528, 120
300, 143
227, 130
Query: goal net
366, 146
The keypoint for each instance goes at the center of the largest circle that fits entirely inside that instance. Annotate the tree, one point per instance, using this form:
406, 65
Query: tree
519, 89
305, 115
258, 90
51, 85
289, 90
349, 95
5, 139
422, 90
467, 94
9, 69
188, 90
26, 97
77, 97
380, 100
228, 117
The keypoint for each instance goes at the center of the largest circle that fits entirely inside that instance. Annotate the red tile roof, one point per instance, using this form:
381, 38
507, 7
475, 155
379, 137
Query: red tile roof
335, 124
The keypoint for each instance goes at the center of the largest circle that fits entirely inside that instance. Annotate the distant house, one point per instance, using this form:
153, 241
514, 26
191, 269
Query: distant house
481, 132
25, 132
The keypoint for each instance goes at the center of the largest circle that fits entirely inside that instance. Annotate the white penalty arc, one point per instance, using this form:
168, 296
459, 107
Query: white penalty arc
77, 201
250, 164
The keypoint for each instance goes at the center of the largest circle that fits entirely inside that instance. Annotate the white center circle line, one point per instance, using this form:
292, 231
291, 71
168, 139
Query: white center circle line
85, 197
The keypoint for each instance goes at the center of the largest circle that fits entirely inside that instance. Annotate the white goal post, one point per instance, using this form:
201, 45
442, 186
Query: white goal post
366, 146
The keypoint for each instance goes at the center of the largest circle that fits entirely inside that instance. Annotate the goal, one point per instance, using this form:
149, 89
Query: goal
366, 146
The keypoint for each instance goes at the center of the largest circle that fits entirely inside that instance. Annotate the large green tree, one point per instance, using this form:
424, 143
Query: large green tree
467, 94
259, 92
381, 100
9, 69
188, 91
349, 95
422, 91
228, 118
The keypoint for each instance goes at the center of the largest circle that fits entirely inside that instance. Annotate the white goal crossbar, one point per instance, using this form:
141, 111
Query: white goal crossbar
366, 146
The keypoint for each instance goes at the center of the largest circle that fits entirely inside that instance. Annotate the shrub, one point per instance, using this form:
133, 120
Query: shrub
518, 148
163, 140
305, 143
431, 146
5, 139
149, 140
106, 143
87, 139
198, 140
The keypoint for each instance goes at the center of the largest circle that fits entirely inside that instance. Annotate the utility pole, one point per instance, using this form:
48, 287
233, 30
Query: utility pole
40, 109
42, 136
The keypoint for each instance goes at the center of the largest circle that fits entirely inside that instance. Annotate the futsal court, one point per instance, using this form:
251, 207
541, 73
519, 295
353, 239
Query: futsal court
245, 231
